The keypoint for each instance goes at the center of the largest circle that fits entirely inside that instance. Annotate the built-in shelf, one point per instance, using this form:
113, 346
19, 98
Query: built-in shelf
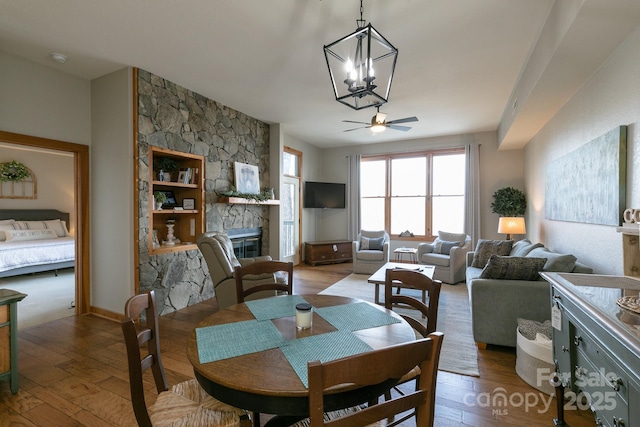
241, 201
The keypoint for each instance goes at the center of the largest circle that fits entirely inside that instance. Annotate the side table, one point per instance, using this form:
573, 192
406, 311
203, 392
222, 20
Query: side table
400, 252
9, 336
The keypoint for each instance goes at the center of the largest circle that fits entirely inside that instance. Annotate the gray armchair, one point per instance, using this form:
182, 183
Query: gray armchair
217, 250
448, 254
368, 260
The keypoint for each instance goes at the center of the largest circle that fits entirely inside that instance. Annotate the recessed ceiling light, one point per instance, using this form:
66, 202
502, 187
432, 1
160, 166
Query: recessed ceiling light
59, 57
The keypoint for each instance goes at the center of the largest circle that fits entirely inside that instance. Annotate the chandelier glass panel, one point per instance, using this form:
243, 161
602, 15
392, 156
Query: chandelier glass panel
361, 67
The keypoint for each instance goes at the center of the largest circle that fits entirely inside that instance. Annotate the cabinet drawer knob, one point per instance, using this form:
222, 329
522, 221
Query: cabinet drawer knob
615, 383
577, 340
580, 371
565, 349
618, 422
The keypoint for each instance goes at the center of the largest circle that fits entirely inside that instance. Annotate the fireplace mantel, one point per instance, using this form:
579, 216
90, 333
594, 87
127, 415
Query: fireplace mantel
241, 201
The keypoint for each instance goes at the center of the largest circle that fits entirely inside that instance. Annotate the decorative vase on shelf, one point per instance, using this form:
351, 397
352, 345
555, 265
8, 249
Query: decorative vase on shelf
170, 237
273, 193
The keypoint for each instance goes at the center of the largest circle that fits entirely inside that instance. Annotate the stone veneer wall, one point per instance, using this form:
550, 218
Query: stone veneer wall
173, 117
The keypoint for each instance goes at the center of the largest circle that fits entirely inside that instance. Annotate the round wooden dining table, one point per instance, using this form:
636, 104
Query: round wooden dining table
265, 381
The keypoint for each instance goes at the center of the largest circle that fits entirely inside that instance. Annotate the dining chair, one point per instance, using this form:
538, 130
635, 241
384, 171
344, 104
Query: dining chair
276, 268
186, 404
426, 320
376, 367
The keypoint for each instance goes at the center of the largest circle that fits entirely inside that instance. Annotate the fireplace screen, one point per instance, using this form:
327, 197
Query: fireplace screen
247, 242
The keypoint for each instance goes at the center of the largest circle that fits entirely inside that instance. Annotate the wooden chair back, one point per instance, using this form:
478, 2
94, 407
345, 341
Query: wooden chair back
134, 338
258, 268
419, 281
373, 368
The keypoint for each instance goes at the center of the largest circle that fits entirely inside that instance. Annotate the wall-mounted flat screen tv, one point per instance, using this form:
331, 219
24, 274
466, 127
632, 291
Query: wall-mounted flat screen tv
325, 195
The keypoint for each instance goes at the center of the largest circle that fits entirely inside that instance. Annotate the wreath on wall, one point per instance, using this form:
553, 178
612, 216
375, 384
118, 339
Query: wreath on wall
13, 171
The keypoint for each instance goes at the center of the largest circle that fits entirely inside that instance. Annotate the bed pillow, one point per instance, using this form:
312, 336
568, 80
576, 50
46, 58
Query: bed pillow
22, 235
513, 268
60, 227
6, 225
486, 248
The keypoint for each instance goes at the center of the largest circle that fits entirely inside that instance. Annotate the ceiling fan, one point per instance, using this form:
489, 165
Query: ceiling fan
379, 123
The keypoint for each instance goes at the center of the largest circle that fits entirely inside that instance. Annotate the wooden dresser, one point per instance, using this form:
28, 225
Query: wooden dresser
596, 345
328, 252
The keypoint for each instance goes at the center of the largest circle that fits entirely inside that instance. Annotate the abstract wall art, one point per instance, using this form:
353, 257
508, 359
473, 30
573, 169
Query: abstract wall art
589, 184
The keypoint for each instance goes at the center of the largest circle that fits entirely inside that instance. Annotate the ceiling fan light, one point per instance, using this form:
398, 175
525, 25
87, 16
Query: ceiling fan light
378, 127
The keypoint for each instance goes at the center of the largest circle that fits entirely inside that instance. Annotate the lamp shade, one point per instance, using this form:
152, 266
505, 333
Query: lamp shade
511, 225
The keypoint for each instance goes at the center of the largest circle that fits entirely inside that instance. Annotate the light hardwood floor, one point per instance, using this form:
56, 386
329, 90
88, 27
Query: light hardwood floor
73, 372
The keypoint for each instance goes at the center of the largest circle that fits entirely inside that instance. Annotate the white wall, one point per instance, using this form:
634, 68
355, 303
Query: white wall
310, 172
54, 179
609, 99
112, 204
498, 169
40, 101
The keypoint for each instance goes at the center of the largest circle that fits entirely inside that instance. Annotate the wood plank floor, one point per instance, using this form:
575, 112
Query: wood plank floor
73, 372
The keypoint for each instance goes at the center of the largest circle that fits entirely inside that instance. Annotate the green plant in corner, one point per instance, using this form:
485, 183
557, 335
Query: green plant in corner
509, 201
13, 171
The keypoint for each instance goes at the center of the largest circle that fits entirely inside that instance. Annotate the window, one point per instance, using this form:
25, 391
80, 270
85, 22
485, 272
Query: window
420, 192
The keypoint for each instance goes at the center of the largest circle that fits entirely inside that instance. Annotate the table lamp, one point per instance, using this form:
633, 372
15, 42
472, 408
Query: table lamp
511, 225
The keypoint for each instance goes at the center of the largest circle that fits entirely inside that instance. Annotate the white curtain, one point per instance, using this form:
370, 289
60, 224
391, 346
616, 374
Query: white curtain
472, 192
353, 204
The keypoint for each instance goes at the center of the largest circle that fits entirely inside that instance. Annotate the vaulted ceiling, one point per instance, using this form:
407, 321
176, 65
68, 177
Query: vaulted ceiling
463, 65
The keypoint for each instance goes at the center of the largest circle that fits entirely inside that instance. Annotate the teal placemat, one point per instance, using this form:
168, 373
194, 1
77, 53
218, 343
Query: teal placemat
356, 316
275, 307
324, 347
235, 339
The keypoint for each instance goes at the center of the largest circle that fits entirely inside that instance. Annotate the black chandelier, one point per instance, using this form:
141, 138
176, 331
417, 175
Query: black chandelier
361, 66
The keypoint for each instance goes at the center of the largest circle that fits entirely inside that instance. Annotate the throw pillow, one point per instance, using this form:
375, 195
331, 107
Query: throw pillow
22, 235
5, 225
529, 328
523, 247
452, 237
372, 244
563, 263
512, 268
55, 224
444, 247
486, 248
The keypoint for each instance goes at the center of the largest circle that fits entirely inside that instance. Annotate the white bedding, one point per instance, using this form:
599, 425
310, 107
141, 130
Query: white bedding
36, 252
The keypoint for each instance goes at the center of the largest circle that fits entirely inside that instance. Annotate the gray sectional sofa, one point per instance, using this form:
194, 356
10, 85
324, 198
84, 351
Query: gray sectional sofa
503, 286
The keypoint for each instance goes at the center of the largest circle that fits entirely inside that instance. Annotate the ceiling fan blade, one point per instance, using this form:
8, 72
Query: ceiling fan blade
402, 128
405, 120
362, 127
351, 121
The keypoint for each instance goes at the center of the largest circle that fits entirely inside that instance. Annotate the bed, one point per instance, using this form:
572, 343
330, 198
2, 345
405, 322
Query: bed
34, 240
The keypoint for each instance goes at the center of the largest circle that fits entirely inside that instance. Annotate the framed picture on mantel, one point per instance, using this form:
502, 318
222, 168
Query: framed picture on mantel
247, 178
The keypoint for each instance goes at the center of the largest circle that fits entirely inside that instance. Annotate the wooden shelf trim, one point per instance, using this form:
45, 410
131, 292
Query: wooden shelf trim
241, 201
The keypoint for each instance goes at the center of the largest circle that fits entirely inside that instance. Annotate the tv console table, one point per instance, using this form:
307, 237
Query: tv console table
328, 252
596, 346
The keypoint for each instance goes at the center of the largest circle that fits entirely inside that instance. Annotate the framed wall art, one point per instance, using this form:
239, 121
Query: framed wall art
247, 178
589, 184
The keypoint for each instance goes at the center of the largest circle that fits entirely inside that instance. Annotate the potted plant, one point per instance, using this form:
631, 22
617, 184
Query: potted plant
509, 202
158, 199
164, 166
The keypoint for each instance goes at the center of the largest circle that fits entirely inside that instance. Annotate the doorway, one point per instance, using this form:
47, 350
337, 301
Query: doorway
291, 247
81, 207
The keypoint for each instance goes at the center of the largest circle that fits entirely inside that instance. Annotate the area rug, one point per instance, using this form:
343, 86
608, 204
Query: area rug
459, 353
